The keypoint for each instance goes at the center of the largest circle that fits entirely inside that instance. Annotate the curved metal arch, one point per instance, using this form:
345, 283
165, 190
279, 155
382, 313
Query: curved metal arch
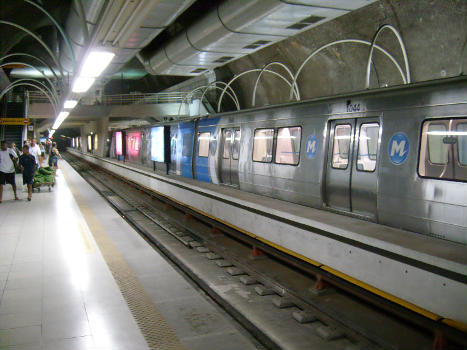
33, 67
280, 64
39, 40
200, 88
344, 41
60, 29
252, 71
36, 58
40, 83
214, 83
4, 91
373, 44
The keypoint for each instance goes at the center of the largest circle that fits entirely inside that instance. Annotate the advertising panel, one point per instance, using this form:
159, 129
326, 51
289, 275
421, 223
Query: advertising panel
118, 143
133, 143
157, 144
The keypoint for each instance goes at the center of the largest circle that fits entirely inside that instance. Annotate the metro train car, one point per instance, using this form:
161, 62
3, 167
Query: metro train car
395, 156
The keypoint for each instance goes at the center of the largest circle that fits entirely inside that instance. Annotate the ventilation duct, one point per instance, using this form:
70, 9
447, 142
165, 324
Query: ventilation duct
240, 27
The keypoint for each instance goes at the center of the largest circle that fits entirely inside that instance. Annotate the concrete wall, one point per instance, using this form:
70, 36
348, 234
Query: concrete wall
434, 32
98, 127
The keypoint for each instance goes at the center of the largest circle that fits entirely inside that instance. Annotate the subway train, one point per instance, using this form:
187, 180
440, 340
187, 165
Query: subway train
396, 156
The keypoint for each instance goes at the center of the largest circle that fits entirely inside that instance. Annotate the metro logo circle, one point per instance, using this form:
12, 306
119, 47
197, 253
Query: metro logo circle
398, 148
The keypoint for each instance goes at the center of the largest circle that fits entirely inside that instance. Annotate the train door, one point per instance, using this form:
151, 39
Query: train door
351, 174
230, 155
186, 133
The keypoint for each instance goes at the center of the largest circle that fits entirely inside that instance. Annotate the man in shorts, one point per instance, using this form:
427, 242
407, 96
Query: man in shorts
28, 166
7, 168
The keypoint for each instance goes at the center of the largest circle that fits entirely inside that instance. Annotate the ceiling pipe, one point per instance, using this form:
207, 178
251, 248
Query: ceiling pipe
40, 83
4, 91
44, 45
36, 58
82, 16
33, 67
128, 22
114, 23
345, 41
402, 46
59, 27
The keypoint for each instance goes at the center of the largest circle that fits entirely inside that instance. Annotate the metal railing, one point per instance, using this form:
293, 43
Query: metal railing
151, 98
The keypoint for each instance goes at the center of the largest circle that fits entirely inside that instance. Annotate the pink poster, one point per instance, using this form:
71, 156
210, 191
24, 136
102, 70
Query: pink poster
133, 143
118, 143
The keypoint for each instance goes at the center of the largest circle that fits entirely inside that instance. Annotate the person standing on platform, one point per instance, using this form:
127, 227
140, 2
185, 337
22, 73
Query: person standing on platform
16, 149
42, 156
28, 165
53, 157
48, 148
7, 168
35, 151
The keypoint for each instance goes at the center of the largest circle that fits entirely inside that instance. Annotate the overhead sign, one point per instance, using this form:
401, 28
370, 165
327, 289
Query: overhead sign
398, 148
14, 121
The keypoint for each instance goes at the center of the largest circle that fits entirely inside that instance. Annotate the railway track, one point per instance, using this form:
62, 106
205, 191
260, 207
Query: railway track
283, 302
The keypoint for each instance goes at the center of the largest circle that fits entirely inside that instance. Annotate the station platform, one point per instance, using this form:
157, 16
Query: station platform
75, 275
423, 274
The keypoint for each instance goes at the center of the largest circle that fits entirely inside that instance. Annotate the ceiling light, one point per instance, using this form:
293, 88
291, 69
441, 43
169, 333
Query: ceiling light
60, 118
82, 84
70, 104
96, 63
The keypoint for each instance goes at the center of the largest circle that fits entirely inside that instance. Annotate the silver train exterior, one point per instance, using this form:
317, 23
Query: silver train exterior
396, 156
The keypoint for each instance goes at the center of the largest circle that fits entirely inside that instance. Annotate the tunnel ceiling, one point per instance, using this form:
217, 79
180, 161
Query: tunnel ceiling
174, 40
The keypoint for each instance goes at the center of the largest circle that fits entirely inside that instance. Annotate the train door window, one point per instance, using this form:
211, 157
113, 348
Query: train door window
288, 145
236, 144
462, 143
203, 144
187, 145
227, 142
341, 146
437, 150
262, 145
368, 147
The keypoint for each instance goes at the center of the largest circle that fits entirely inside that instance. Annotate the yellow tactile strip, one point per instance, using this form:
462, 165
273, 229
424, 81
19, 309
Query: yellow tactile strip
155, 329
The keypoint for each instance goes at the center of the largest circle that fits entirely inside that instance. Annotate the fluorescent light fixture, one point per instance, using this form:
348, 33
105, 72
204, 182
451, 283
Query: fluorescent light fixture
60, 118
51, 133
82, 84
96, 63
70, 104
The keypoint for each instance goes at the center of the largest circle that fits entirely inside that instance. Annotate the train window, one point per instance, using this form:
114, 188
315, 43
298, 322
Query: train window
368, 147
187, 145
288, 145
203, 144
341, 146
462, 143
443, 149
437, 150
227, 135
236, 145
262, 145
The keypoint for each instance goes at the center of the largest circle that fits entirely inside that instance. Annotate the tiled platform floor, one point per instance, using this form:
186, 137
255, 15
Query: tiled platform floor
57, 291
